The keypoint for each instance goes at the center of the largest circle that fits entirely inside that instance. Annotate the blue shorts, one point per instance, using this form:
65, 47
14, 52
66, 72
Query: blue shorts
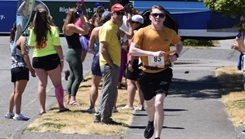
19, 73
96, 66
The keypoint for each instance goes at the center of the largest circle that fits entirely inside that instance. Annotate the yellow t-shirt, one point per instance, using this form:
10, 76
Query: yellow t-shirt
151, 40
53, 39
109, 33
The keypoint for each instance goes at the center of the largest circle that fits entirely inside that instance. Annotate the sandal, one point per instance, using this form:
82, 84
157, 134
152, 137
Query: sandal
41, 113
74, 103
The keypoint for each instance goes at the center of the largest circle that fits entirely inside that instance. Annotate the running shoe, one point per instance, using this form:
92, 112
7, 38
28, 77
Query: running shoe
20, 117
9, 115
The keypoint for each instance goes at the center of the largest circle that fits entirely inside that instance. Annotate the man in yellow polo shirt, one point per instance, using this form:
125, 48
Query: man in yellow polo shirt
152, 44
110, 60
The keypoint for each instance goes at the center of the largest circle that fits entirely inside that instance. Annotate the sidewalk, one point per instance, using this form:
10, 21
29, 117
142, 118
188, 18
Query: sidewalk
193, 109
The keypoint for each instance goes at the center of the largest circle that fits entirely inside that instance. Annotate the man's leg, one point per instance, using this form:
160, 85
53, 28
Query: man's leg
159, 113
149, 130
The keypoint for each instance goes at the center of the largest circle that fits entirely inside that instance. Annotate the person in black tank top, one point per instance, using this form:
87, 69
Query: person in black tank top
73, 55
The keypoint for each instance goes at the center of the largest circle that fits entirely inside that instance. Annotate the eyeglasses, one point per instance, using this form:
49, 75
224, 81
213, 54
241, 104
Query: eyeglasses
242, 21
120, 12
156, 15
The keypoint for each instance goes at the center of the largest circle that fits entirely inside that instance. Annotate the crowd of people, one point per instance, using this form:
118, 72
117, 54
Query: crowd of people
121, 47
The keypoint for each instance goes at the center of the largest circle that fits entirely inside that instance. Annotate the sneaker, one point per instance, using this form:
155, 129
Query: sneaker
9, 115
127, 108
139, 108
97, 118
90, 110
20, 117
243, 132
114, 110
149, 130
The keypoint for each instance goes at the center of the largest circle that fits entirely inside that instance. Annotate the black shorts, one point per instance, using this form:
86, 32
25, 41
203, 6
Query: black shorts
154, 83
48, 62
133, 75
19, 73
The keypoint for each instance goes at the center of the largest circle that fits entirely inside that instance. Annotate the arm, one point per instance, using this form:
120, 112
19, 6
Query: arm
105, 53
135, 51
92, 40
60, 53
85, 22
130, 31
179, 48
21, 42
83, 56
241, 46
71, 28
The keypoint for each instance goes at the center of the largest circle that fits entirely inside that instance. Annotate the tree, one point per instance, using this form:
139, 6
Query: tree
232, 8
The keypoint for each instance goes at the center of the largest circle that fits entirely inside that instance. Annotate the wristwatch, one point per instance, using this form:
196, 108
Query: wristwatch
176, 54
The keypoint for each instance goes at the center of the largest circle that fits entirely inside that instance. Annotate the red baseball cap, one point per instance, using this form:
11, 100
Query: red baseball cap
117, 7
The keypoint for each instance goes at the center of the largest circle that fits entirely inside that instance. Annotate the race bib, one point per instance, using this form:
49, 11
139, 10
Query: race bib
156, 61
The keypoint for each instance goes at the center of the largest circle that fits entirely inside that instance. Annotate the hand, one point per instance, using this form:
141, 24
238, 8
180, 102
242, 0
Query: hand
33, 73
130, 68
238, 39
234, 46
172, 58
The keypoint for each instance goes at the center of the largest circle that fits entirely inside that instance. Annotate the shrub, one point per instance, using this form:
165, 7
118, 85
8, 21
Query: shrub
192, 42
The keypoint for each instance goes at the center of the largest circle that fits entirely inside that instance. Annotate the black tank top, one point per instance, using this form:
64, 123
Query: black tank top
73, 41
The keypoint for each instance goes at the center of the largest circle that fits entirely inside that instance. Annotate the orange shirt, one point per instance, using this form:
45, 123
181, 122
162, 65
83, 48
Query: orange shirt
151, 40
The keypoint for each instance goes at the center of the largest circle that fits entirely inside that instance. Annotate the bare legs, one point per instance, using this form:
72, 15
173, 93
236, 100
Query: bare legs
155, 112
132, 86
55, 76
94, 90
16, 96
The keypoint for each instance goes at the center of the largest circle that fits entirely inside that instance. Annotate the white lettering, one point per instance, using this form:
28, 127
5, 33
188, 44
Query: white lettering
94, 10
64, 9
2, 17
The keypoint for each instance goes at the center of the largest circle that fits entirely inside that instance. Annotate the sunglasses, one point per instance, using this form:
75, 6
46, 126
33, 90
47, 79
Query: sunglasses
101, 11
242, 21
156, 15
78, 13
120, 12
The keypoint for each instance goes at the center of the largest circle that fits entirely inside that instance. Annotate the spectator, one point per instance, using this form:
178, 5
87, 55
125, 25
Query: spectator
20, 67
96, 72
133, 71
73, 55
110, 50
47, 57
239, 45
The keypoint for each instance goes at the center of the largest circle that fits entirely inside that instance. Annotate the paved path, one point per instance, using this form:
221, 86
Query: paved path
193, 109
